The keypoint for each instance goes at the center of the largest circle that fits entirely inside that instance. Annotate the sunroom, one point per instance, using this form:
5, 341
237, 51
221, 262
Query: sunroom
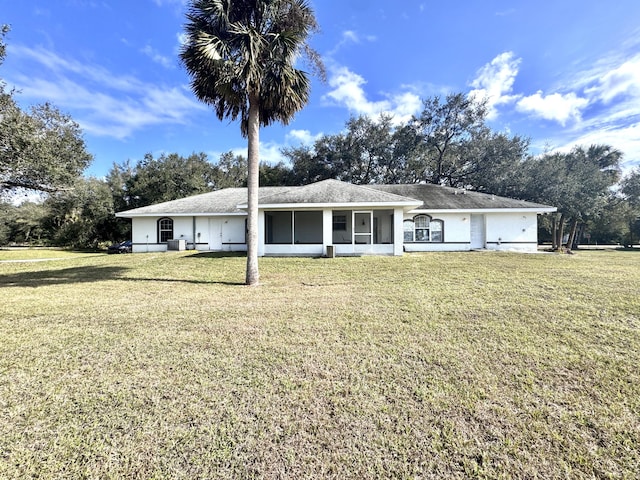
329, 231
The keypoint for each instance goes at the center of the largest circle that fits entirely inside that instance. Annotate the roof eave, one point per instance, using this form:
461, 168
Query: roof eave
170, 214
487, 210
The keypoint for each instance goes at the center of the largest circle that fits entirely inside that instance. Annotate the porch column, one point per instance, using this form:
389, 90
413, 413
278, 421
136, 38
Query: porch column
261, 231
327, 229
398, 232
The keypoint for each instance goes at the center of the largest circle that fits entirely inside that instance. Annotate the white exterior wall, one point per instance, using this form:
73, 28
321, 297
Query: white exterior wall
183, 229
202, 233
504, 231
228, 230
234, 234
456, 230
512, 231
144, 235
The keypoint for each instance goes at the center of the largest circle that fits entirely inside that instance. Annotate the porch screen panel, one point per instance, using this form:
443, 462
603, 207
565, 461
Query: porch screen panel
341, 226
308, 227
278, 227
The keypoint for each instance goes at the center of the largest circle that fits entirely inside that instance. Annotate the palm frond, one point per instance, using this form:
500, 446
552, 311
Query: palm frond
236, 48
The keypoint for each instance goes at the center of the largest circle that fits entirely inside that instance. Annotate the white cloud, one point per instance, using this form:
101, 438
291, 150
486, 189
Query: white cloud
557, 107
103, 103
154, 55
623, 80
182, 38
347, 89
270, 152
624, 138
494, 82
162, 3
304, 137
350, 37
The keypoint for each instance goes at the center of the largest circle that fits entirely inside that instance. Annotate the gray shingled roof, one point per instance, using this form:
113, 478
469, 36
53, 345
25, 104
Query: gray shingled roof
223, 201
334, 192
437, 197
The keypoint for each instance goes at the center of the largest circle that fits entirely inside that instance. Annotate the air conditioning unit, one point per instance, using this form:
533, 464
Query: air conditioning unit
177, 244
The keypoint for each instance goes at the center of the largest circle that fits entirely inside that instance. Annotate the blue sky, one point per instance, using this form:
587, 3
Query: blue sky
562, 72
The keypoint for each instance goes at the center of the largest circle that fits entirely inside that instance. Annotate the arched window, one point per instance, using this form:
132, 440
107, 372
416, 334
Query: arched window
165, 230
423, 229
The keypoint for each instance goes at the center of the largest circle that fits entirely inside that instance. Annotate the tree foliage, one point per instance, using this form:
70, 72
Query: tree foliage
578, 183
443, 131
41, 149
630, 187
448, 143
230, 171
167, 177
82, 217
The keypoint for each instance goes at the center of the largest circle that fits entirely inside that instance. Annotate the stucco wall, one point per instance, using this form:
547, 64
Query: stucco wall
504, 231
230, 233
456, 233
512, 231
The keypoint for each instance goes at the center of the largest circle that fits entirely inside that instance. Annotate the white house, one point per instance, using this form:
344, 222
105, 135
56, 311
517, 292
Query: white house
336, 218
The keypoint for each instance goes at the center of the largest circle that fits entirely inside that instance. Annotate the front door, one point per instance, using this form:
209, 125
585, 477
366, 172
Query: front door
215, 234
478, 232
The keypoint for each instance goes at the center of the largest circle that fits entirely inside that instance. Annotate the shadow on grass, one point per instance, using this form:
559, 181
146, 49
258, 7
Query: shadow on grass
199, 256
86, 275
181, 280
62, 276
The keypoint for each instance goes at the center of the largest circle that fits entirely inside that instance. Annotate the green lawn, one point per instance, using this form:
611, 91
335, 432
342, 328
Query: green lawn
487, 365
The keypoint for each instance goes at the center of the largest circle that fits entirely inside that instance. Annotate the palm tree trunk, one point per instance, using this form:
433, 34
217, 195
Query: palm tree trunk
253, 136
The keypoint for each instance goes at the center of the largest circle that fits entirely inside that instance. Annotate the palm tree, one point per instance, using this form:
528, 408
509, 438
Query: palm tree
240, 55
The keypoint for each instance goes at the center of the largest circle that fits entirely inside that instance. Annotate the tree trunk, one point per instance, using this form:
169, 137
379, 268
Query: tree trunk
579, 235
253, 137
572, 234
554, 233
560, 232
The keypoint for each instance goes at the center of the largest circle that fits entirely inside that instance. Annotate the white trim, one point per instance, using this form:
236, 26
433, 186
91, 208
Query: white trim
486, 210
168, 214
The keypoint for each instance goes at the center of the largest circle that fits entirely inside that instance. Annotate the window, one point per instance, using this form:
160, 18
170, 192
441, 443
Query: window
165, 230
422, 229
436, 230
408, 230
339, 223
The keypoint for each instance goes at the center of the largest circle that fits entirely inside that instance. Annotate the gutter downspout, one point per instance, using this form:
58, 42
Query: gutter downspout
194, 233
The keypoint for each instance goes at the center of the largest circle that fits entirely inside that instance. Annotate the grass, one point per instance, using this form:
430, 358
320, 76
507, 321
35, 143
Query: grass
470, 365
32, 254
